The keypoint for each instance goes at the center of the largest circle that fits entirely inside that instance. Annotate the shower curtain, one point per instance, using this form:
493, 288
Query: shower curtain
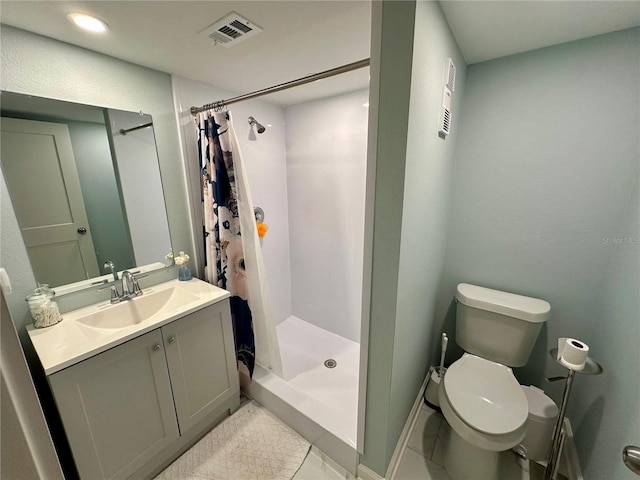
233, 257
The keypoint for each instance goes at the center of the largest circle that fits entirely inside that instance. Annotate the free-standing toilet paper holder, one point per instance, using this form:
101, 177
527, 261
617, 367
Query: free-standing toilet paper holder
591, 367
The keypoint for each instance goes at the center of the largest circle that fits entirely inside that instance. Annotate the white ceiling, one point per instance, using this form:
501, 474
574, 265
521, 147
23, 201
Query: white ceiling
486, 30
304, 36
299, 38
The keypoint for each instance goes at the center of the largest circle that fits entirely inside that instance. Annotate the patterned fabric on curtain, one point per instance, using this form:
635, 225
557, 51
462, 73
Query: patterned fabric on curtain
225, 259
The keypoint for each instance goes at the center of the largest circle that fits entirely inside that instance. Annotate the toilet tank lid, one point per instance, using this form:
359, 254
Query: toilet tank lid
518, 306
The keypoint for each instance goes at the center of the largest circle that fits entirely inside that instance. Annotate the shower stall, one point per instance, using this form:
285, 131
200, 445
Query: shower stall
306, 167
315, 274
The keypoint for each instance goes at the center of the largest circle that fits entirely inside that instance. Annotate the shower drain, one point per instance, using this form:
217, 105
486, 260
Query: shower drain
330, 363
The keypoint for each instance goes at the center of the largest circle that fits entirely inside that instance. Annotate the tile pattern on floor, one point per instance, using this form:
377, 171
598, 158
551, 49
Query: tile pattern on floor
423, 459
318, 466
251, 444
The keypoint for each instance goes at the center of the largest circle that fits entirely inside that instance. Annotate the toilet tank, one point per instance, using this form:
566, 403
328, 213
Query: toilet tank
498, 326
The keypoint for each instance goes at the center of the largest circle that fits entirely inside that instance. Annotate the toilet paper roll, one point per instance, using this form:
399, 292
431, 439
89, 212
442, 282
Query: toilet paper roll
572, 353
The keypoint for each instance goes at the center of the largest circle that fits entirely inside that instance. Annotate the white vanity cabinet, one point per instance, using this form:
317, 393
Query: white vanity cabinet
132, 409
201, 360
117, 408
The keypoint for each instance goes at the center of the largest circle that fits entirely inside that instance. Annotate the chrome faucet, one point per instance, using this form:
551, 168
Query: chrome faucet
130, 287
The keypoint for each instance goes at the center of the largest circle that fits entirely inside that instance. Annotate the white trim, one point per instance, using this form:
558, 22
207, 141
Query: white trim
571, 464
365, 473
568, 461
367, 250
394, 464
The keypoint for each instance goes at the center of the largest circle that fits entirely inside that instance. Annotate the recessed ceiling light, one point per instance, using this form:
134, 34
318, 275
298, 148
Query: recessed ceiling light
87, 22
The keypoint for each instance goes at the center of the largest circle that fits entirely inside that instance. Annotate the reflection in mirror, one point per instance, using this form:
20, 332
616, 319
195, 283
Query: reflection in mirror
85, 185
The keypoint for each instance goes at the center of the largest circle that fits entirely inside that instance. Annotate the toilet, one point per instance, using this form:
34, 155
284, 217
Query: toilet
479, 396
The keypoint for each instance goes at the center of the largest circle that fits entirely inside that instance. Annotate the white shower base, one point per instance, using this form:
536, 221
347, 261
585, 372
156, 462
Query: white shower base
318, 402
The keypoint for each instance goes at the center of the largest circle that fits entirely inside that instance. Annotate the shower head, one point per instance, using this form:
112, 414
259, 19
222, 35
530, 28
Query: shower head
260, 128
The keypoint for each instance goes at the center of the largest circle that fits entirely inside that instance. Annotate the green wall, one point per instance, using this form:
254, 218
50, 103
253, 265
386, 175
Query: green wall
36, 65
544, 179
413, 171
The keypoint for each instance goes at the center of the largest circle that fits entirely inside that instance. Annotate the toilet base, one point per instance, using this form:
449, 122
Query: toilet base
465, 461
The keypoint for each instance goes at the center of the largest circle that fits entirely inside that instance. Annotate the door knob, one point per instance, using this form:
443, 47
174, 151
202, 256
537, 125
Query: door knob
82, 230
631, 458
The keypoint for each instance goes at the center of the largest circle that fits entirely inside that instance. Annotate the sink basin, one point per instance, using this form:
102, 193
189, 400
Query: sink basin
93, 329
137, 310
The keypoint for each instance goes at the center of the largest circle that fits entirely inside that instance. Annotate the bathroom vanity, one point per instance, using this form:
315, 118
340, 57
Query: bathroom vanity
137, 383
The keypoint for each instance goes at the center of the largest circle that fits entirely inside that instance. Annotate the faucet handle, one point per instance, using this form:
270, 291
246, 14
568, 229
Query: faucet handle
115, 297
135, 288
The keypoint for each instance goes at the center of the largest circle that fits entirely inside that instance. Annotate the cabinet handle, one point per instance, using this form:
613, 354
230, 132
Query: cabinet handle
157, 347
172, 339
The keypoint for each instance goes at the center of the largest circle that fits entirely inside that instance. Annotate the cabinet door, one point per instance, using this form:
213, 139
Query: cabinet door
117, 408
201, 359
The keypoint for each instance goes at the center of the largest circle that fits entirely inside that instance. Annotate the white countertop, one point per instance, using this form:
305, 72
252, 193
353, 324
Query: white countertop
70, 342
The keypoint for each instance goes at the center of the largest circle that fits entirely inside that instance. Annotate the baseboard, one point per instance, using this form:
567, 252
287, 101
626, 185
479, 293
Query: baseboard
365, 473
570, 455
568, 461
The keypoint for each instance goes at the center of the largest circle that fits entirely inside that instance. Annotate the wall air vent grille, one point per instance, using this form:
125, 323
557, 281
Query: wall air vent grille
231, 30
449, 82
444, 128
446, 121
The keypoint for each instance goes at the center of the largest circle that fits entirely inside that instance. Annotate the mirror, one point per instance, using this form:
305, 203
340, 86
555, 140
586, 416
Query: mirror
85, 186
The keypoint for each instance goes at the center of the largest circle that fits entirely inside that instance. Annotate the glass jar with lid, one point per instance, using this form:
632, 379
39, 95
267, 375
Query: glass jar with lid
43, 307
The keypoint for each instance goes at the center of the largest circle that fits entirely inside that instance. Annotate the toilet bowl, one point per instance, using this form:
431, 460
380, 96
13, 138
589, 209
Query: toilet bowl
479, 396
486, 408
488, 402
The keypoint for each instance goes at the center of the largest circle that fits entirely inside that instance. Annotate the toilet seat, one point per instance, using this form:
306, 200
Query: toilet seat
485, 395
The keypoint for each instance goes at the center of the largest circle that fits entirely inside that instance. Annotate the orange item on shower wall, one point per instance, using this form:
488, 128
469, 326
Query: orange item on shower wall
262, 228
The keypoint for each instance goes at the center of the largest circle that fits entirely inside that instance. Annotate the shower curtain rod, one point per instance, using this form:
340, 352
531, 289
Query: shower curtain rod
124, 131
284, 86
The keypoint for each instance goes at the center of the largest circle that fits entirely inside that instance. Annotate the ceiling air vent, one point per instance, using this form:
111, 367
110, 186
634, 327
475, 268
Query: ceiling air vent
231, 29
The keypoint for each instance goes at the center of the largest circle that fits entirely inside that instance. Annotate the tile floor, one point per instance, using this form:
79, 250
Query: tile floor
422, 459
317, 466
